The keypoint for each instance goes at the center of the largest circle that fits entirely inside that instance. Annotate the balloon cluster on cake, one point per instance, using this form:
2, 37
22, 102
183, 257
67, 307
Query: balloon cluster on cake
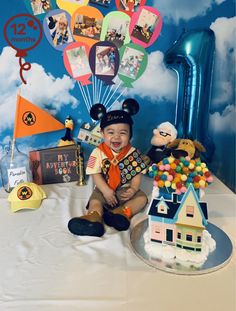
175, 175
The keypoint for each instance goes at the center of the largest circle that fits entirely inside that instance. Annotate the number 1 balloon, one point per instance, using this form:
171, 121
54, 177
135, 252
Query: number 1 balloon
192, 57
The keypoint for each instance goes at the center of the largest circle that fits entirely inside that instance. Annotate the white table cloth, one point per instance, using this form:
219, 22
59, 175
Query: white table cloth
44, 267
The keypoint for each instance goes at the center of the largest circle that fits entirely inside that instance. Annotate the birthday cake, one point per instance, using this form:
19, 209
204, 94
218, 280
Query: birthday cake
177, 218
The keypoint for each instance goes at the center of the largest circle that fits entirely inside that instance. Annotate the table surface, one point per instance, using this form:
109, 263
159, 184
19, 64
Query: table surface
44, 267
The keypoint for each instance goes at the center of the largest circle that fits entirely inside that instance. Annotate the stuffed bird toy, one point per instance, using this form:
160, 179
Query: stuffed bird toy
67, 138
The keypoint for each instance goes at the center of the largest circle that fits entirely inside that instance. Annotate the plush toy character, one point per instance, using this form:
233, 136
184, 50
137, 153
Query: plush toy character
164, 134
67, 138
186, 147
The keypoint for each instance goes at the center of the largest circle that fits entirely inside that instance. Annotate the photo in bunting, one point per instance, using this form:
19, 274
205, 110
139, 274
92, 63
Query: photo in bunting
104, 61
56, 27
145, 26
116, 28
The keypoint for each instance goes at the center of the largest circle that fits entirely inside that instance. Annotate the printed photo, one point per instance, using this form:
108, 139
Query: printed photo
78, 61
105, 3
130, 5
145, 26
89, 27
40, 6
59, 29
105, 61
116, 31
130, 63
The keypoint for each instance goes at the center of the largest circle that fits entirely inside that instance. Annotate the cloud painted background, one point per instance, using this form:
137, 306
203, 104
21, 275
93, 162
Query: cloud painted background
50, 87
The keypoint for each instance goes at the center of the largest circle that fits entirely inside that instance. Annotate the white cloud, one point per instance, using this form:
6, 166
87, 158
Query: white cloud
157, 83
4, 144
224, 29
224, 69
225, 121
184, 9
41, 89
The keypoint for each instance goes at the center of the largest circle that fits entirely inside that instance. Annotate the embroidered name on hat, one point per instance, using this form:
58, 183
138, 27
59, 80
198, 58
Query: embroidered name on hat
24, 193
112, 117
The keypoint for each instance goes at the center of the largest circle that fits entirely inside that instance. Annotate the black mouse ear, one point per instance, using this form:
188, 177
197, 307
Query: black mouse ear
97, 111
52, 22
131, 106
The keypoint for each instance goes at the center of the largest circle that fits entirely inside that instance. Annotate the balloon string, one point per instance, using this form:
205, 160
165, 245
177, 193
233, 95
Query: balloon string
93, 89
99, 88
100, 91
86, 98
96, 90
108, 95
104, 93
124, 90
26, 66
89, 97
83, 95
111, 88
107, 102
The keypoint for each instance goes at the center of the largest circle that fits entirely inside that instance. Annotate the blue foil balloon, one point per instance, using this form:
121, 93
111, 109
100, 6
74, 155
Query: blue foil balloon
192, 58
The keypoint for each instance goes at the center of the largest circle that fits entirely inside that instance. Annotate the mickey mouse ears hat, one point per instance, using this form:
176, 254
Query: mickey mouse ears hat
129, 107
26, 196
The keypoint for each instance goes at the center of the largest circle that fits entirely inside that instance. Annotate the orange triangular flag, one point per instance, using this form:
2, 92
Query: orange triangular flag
31, 119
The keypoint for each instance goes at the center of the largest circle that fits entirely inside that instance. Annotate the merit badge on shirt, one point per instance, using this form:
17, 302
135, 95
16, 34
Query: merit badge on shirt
130, 166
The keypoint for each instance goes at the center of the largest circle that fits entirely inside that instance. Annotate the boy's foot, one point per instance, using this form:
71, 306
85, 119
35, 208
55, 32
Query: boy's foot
119, 218
90, 224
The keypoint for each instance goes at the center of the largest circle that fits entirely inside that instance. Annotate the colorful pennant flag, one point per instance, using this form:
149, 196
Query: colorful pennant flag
30, 120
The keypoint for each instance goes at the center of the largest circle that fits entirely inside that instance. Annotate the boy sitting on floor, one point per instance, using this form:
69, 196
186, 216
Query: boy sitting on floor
115, 167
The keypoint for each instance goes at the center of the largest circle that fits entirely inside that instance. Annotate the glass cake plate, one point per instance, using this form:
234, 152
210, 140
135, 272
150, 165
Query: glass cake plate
216, 260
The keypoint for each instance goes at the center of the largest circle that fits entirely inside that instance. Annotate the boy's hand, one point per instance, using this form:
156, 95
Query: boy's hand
109, 195
128, 194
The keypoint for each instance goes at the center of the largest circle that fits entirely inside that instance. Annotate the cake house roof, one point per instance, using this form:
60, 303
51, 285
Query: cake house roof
174, 206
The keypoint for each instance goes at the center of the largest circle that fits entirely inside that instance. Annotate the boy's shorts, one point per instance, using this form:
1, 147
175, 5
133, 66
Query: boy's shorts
97, 195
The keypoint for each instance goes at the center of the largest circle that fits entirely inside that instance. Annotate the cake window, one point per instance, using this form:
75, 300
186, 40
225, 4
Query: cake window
199, 239
189, 237
162, 208
157, 229
189, 211
178, 235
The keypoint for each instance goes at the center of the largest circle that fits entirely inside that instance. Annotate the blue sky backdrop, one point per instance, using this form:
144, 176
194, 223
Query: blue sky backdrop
49, 86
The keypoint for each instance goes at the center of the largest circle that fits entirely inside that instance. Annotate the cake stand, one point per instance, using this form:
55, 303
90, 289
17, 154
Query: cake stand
216, 260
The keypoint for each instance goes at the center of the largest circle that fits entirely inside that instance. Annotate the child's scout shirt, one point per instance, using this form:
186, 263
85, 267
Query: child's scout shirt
131, 165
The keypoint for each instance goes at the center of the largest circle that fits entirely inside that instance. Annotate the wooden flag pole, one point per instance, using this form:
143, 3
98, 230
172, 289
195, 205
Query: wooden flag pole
13, 138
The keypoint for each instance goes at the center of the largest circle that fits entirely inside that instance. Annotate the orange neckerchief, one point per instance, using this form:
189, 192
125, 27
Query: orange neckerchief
114, 171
